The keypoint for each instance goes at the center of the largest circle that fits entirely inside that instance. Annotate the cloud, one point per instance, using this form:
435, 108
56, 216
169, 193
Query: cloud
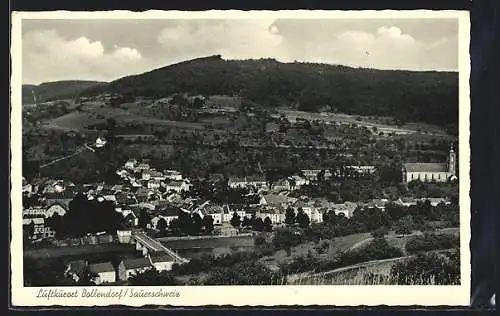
233, 39
386, 47
49, 56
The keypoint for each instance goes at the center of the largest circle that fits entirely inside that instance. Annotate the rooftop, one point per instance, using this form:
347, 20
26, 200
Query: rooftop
425, 167
136, 263
101, 267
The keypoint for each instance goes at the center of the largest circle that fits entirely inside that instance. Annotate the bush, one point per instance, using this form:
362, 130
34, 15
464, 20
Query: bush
380, 232
428, 268
429, 242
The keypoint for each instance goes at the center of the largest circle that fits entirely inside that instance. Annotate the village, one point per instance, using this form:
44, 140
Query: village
153, 201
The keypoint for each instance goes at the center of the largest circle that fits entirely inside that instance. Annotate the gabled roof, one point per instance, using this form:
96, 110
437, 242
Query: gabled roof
425, 167
101, 267
136, 263
169, 211
60, 195
275, 199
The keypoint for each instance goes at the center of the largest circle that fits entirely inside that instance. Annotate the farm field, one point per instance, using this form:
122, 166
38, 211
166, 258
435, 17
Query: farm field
50, 253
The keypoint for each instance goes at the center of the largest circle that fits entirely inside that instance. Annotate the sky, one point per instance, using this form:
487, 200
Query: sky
106, 50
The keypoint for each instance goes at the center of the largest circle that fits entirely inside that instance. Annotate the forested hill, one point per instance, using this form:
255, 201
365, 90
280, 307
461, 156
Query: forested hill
50, 91
430, 97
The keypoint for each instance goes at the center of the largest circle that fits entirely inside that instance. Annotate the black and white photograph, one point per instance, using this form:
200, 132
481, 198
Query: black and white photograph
252, 158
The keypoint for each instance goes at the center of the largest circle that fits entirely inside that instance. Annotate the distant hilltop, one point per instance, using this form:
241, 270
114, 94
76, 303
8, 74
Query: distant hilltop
425, 96
50, 91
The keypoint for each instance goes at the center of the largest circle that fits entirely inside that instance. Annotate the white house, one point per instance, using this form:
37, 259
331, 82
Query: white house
162, 263
154, 184
100, 142
124, 236
276, 215
173, 175
236, 182
130, 164
176, 185
130, 267
55, 209
427, 172
35, 211
105, 273
146, 175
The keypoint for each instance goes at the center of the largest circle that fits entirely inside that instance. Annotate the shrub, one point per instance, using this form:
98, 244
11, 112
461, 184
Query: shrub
428, 268
430, 242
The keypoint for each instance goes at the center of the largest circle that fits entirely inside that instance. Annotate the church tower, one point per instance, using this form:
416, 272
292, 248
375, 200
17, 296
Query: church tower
452, 161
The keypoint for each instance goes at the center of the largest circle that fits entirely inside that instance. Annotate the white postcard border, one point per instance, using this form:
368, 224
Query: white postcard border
245, 295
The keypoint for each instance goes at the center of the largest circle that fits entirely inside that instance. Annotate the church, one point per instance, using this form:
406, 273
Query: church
428, 172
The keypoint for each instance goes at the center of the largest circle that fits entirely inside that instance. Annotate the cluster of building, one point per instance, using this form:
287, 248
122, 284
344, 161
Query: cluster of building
105, 272
160, 193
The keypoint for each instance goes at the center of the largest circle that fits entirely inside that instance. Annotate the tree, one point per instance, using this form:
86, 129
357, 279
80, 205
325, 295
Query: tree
185, 222
405, 225
302, 218
144, 219
152, 277
258, 224
28, 231
161, 225
245, 222
268, 225
208, 224
290, 216
197, 223
235, 220
286, 239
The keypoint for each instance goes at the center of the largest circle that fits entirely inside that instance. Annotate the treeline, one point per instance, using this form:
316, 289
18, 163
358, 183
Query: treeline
430, 97
86, 216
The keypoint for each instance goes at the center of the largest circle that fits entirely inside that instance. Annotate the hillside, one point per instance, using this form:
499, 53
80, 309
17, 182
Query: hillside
430, 97
49, 91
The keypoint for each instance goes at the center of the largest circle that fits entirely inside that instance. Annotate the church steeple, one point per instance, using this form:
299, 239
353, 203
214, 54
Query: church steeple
452, 161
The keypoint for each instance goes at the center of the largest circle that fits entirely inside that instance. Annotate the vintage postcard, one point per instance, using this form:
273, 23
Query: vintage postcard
240, 158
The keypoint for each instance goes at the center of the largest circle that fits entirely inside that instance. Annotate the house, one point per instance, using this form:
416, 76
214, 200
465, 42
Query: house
105, 272
62, 198
215, 211
153, 184
142, 166
169, 213
124, 236
281, 185
108, 194
276, 200
296, 182
436, 201
55, 209
27, 187
406, 201
275, 214
173, 175
312, 174
347, 209
163, 262
117, 188
39, 228
157, 175
35, 211
176, 185
75, 269
130, 164
237, 182
130, 267
427, 172
100, 142
256, 181
146, 175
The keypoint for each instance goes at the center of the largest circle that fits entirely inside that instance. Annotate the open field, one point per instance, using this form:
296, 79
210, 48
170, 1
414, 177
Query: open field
50, 253
406, 129
213, 242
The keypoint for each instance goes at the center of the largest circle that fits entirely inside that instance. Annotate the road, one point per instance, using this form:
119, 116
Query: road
155, 245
